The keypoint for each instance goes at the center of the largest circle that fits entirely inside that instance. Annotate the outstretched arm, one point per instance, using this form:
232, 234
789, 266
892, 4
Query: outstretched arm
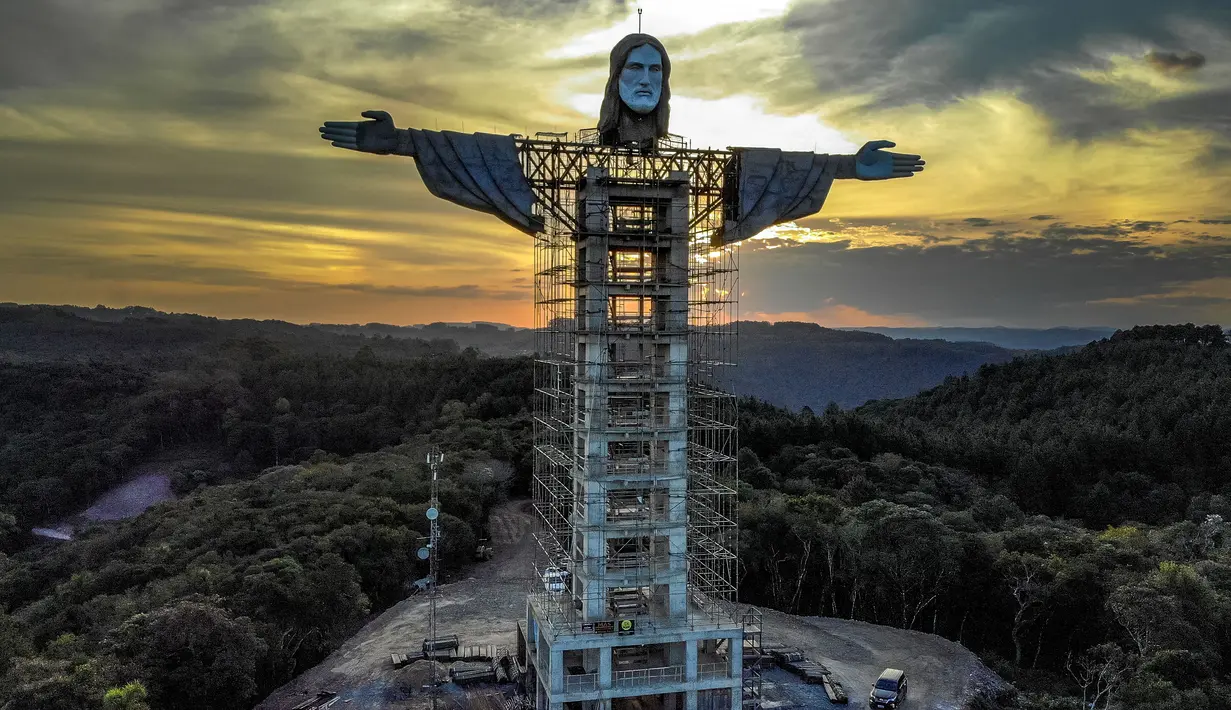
377, 136
771, 186
476, 170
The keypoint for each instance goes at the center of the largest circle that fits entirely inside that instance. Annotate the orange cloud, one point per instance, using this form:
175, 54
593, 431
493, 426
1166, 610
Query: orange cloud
837, 315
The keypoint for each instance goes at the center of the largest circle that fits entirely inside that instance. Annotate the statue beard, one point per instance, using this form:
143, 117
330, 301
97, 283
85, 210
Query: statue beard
636, 127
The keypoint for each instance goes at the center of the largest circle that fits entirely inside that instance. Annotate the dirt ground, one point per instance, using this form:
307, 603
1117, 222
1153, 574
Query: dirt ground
940, 671
484, 610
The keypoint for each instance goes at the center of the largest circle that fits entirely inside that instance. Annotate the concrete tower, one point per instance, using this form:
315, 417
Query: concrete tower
634, 466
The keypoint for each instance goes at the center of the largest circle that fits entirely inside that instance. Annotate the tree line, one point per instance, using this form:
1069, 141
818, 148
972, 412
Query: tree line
1063, 516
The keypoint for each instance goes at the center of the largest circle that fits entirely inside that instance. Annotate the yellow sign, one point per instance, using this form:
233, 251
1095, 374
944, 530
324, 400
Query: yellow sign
626, 625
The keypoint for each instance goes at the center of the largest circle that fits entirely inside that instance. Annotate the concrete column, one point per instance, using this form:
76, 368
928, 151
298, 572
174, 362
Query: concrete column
538, 652
690, 664
532, 631
690, 700
736, 655
604, 667
556, 668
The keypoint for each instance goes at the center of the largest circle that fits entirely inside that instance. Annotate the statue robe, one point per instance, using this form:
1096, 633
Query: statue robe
483, 171
775, 186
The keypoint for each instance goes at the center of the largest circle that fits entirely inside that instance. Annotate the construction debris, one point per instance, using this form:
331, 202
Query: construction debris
834, 689
323, 700
441, 646
419, 673
795, 661
404, 659
463, 672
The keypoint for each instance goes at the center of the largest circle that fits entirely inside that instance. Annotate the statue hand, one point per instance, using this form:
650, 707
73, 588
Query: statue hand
376, 136
873, 164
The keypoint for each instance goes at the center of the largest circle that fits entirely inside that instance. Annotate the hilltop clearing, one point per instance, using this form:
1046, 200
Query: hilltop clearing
484, 609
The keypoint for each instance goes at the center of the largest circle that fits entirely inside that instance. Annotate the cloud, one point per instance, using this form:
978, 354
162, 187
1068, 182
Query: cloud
1175, 61
1071, 60
190, 56
1070, 276
467, 291
1059, 230
594, 10
173, 142
836, 315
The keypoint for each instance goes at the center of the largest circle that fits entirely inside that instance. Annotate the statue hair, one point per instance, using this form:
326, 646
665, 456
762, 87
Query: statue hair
613, 105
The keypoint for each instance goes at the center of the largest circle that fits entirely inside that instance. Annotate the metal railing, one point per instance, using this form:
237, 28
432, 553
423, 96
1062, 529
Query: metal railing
588, 682
559, 614
580, 683
634, 467
637, 371
707, 671
648, 676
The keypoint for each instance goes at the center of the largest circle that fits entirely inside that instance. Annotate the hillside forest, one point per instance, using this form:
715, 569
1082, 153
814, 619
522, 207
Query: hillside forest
1061, 515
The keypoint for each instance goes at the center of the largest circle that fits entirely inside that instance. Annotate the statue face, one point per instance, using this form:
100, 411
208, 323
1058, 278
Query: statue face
641, 80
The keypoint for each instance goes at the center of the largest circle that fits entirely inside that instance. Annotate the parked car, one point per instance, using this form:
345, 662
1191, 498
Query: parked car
889, 691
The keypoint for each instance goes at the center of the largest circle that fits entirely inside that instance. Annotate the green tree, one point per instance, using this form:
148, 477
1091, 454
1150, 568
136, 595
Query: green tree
1027, 576
130, 696
194, 654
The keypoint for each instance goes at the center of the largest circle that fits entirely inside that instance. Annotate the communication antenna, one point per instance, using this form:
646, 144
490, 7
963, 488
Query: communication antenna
638, 20
434, 459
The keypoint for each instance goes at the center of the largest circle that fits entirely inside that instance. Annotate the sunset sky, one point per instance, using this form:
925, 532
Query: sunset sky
165, 152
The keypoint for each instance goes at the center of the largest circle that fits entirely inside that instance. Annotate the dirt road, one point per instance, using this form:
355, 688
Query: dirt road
484, 609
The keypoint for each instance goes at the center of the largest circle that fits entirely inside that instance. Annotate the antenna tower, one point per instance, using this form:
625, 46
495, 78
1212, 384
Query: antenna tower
434, 459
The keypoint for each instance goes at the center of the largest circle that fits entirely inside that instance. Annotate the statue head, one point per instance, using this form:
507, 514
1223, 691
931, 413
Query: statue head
638, 86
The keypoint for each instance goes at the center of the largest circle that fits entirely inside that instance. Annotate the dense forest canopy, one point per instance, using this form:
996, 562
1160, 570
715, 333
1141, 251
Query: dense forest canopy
70, 430
1061, 515
271, 566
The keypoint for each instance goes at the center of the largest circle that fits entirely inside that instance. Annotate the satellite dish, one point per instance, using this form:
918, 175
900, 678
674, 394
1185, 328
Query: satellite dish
432, 513
423, 553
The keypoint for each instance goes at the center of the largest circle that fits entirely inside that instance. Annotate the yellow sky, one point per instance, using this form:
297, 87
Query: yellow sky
175, 164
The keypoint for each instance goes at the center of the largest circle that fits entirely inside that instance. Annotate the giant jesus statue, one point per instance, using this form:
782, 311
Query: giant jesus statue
634, 423
483, 171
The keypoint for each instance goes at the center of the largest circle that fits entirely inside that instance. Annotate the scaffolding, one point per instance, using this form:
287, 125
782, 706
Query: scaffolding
634, 420
753, 658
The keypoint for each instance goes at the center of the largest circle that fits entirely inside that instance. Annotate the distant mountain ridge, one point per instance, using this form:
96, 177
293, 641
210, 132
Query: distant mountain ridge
800, 365
1014, 338
791, 364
